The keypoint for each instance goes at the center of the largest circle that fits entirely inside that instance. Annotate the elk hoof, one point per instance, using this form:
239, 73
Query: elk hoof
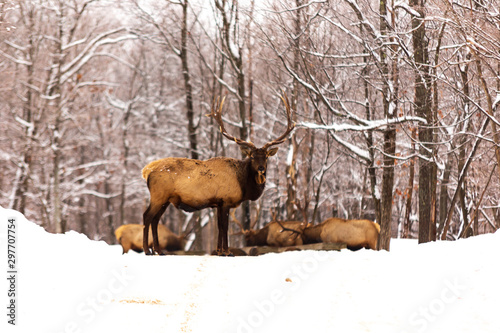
225, 254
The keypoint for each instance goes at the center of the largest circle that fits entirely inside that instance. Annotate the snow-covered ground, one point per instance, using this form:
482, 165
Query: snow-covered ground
68, 283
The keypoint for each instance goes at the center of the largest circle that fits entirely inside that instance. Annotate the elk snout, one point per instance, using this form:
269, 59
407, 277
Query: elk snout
260, 178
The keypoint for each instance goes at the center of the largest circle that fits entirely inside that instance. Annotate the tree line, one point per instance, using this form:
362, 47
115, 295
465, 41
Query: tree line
395, 104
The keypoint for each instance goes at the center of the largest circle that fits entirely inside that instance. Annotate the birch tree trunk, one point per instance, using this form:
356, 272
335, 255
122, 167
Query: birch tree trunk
291, 166
389, 92
55, 90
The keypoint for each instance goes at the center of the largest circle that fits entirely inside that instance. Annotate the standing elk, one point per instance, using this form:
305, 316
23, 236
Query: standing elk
220, 182
355, 233
130, 237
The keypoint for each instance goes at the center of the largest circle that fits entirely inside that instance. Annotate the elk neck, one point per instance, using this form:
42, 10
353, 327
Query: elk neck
312, 234
251, 190
257, 237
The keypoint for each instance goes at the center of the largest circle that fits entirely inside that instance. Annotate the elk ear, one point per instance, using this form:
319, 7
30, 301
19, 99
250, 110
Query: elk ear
247, 151
272, 152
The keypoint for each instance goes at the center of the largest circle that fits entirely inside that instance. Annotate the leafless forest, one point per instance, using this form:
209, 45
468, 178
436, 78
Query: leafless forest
396, 106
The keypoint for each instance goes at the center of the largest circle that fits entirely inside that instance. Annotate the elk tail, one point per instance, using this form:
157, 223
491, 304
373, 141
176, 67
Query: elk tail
146, 171
118, 233
149, 168
377, 226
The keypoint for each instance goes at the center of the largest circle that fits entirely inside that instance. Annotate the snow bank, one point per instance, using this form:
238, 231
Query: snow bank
68, 283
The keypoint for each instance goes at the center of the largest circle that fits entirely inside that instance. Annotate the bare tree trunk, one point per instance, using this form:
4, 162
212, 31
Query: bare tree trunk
21, 183
435, 108
188, 88
425, 133
56, 90
443, 196
462, 141
291, 167
409, 191
389, 92
192, 129
387, 188
371, 148
109, 208
126, 149
82, 215
234, 52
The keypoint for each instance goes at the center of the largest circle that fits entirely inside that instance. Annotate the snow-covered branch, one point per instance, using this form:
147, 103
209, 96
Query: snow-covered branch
370, 125
359, 152
99, 194
89, 51
16, 60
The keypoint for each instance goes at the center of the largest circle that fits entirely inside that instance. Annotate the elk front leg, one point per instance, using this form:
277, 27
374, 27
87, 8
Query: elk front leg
219, 230
145, 235
154, 227
156, 245
222, 223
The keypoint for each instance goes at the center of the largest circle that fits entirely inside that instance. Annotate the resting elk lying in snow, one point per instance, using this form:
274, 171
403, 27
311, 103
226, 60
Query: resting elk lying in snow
220, 182
275, 233
130, 237
355, 233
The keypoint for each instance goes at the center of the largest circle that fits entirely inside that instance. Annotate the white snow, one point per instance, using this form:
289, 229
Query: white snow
68, 283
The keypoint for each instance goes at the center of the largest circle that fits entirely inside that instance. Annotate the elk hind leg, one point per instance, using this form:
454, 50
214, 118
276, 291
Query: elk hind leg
154, 227
151, 217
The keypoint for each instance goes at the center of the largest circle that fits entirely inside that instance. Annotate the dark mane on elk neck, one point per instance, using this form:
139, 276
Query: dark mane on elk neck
219, 182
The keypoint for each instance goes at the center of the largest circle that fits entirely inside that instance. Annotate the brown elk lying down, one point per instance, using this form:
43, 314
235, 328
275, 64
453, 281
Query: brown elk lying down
355, 233
281, 234
130, 236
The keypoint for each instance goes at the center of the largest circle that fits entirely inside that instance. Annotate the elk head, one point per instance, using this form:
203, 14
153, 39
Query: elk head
258, 156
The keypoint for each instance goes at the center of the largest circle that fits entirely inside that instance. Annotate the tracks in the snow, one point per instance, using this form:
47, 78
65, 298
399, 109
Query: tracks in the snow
192, 295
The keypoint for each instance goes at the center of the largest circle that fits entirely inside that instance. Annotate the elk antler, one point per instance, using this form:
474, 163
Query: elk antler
290, 124
216, 113
235, 220
252, 224
283, 228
